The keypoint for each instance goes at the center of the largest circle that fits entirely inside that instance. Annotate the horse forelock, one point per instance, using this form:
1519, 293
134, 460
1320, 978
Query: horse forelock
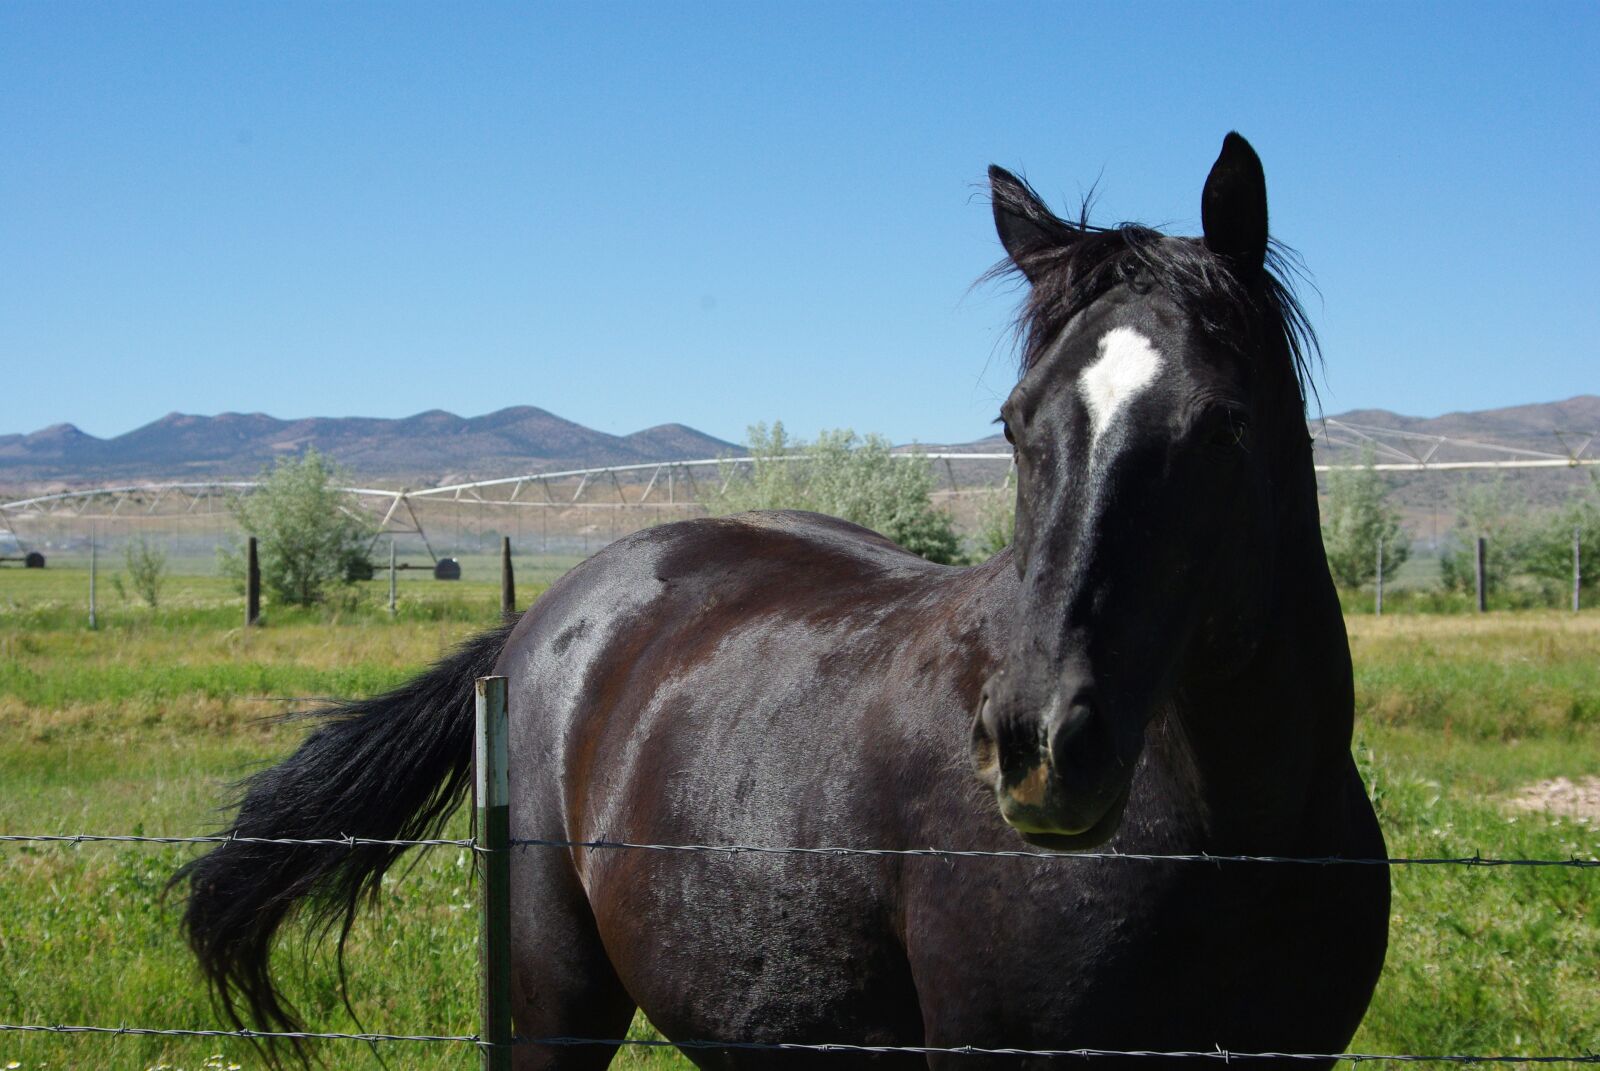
1261, 318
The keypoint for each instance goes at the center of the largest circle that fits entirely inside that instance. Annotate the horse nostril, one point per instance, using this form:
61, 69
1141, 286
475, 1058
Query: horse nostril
1073, 727
1071, 722
1079, 739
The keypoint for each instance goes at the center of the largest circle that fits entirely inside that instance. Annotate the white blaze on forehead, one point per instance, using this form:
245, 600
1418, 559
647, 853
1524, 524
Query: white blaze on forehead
1127, 364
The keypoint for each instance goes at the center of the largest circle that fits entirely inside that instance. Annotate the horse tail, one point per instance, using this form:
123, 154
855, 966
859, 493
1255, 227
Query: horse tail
392, 767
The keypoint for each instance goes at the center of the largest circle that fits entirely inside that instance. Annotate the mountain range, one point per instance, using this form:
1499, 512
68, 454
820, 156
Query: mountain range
423, 448
1549, 427
436, 446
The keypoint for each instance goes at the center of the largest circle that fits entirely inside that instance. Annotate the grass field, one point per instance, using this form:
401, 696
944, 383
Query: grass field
132, 728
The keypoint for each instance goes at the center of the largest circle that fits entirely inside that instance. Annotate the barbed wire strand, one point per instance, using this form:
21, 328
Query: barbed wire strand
950, 853
1225, 1055
976, 1050
1474, 860
253, 1035
229, 838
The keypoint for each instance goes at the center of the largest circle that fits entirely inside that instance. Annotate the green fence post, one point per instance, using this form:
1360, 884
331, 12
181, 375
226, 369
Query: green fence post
493, 851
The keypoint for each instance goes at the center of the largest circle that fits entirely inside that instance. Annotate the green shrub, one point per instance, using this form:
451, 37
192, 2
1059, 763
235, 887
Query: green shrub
147, 570
844, 475
1355, 521
1484, 511
1546, 546
997, 521
310, 535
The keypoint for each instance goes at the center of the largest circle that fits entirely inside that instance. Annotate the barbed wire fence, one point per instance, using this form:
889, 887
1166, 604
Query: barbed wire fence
493, 846
1474, 860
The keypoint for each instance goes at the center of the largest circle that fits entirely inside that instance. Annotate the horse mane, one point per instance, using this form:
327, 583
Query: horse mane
1080, 262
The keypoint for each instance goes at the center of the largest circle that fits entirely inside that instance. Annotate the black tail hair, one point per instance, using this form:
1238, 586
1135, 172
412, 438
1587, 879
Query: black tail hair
393, 767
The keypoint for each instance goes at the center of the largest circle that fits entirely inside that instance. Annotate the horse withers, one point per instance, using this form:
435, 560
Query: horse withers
1158, 666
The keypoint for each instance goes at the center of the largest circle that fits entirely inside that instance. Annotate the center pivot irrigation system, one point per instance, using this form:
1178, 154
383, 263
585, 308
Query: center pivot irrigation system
679, 485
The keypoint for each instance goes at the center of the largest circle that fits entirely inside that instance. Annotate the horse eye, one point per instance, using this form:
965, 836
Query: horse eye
1234, 431
1006, 429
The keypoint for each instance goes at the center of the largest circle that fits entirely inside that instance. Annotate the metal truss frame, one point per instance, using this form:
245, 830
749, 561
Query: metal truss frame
667, 481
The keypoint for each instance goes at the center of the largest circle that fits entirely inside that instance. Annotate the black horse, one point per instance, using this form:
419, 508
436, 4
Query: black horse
1159, 665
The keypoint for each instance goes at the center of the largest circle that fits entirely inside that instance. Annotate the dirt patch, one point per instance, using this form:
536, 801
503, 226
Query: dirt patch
1578, 799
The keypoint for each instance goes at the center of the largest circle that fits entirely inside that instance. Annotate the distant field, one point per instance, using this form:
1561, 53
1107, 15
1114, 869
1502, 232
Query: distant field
1455, 715
136, 727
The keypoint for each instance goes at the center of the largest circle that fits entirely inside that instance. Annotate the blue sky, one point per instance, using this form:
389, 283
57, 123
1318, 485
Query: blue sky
719, 214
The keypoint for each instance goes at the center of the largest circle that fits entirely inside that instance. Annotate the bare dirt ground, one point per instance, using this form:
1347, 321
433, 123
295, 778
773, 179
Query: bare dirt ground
1578, 799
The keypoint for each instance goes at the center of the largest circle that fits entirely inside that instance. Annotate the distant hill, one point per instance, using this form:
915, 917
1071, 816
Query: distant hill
1428, 499
1547, 427
436, 446
418, 448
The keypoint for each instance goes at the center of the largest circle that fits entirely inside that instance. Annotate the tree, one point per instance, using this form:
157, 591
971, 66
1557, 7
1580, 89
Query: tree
1356, 521
310, 535
1546, 545
845, 475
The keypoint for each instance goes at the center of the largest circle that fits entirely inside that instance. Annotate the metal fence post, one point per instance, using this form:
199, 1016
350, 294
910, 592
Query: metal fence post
93, 549
1378, 605
1577, 564
494, 874
392, 605
1483, 593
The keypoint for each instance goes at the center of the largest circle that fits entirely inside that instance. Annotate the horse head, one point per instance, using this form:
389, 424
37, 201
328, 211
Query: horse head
1158, 428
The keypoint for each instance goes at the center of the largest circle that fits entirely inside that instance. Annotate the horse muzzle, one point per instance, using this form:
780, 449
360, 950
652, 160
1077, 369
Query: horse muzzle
1057, 772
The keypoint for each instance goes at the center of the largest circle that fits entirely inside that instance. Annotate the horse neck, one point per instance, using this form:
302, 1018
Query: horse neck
1268, 752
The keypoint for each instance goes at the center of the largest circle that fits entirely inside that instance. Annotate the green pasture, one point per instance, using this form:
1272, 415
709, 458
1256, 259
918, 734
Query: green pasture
138, 726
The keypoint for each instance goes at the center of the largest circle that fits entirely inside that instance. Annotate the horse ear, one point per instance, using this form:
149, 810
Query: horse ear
1233, 208
1026, 227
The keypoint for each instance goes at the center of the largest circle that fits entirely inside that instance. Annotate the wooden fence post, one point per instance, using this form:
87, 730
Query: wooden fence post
508, 580
493, 852
252, 585
1483, 594
93, 554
